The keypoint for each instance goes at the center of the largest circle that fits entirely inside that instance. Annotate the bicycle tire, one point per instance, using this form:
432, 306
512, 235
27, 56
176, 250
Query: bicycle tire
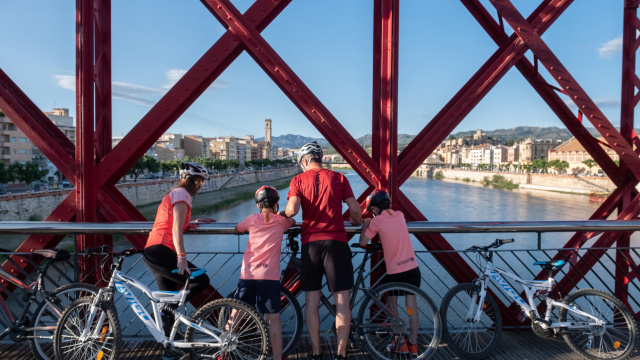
291, 319
458, 330
248, 338
379, 339
616, 340
41, 341
104, 346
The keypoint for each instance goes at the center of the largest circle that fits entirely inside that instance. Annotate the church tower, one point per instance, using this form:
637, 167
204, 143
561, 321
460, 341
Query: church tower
267, 130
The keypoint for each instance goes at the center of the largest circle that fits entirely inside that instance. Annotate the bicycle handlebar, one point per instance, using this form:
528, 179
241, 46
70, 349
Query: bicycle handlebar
104, 249
496, 244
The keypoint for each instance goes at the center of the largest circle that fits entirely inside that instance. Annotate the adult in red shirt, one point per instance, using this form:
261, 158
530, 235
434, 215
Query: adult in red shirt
325, 251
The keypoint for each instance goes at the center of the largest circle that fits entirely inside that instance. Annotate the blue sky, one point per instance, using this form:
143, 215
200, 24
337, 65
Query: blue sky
327, 43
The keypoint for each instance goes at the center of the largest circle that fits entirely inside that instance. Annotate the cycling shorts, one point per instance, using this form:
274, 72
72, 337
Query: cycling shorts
263, 294
412, 277
326, 257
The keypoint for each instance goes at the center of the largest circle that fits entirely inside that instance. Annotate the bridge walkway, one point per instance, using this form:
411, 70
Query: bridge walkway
522, 345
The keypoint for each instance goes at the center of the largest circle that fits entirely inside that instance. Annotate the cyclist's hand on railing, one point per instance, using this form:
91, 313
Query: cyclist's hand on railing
205, 220
183, 266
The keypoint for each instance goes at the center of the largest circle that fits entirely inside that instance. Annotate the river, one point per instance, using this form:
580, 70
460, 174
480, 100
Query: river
447, 201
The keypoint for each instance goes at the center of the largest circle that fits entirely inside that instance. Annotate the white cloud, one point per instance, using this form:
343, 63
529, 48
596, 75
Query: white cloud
66, 81
174, 75
611, 48
137, 94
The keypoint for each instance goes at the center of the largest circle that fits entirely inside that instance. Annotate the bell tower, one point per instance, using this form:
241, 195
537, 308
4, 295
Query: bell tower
267, 130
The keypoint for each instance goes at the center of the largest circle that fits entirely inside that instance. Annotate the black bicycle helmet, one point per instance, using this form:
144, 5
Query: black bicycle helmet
311, 148
379, 199
267, 196
189, 169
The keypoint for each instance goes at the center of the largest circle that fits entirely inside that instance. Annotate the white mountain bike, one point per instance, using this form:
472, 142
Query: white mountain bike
225, 328
595, 324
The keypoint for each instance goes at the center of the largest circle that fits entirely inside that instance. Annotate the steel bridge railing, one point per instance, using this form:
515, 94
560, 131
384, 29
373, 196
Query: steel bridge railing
223, 266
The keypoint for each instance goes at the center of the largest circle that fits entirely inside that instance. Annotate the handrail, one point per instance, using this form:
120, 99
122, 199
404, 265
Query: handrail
415, 227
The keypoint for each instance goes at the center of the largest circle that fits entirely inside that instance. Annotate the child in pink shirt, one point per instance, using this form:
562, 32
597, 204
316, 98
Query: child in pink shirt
399, 256
259, 283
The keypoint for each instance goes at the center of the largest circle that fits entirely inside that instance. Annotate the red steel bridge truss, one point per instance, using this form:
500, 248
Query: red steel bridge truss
94, 166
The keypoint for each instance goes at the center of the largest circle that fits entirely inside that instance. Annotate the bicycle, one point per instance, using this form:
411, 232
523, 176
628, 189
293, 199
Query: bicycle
593, 323
225, 328
379, 325
38, 329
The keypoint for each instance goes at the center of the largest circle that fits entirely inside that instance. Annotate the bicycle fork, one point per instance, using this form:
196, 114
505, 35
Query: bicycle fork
476, 303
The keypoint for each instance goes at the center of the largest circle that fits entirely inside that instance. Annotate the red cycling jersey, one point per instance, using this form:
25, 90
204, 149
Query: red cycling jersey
322, 193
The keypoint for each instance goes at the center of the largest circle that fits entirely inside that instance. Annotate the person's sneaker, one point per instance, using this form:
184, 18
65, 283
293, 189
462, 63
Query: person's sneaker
315, 357
340, 357
413, 349
404, 349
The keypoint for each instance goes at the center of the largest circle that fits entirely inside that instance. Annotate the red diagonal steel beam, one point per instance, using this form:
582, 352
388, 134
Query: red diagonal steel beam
178, 99
549, 95
103, 95
36, 126
296, 90
473, 91
586, 263
529, 36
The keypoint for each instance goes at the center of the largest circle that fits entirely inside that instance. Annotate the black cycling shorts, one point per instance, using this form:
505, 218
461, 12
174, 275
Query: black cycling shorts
326, 257
412, 277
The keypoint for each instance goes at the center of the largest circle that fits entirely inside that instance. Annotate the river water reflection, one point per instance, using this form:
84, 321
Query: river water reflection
444, 201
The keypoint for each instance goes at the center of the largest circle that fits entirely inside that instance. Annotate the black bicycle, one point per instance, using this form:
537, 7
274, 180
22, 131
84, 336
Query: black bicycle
38, 326
388, 314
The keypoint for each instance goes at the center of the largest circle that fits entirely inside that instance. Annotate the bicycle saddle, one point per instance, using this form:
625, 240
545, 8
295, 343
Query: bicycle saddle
551, 264
53, 254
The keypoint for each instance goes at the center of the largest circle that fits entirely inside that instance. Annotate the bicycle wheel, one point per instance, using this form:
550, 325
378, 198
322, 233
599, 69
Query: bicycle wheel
104, 336
46, 317
291, 319
465, 336
615, 340
416, 319
243, 333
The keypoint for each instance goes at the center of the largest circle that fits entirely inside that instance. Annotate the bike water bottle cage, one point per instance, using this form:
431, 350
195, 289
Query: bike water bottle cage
195, 272
552, 265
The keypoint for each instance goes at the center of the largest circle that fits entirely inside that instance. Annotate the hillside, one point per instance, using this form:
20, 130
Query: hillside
520, 132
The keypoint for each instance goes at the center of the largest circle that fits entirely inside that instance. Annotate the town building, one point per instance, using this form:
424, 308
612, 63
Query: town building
574, 153
531, 149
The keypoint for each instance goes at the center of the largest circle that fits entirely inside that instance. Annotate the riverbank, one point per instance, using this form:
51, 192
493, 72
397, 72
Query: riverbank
209, 201
544, 182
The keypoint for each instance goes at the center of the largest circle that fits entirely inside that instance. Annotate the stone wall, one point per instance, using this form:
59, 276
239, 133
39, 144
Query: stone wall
40, 205
565, 182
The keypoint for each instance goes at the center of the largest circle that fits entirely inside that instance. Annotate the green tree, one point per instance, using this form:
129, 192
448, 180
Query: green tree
540, 164
31, 172
144, 163
5, 176
561, 166
590, 163
451, 137
527, 167
165, 166
508, 143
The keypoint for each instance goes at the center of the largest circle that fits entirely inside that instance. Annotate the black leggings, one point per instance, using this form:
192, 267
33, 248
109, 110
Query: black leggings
162, 261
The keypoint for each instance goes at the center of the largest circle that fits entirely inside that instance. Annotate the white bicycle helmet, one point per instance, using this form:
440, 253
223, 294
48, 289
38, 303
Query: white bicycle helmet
189, 169
311, 148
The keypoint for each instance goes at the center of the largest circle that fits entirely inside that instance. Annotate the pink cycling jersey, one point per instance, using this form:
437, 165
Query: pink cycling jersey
261, 260
396, 242
162, 231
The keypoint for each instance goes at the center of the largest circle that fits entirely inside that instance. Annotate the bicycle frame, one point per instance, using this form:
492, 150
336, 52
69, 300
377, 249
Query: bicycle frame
31, 290
120, 281
531, 289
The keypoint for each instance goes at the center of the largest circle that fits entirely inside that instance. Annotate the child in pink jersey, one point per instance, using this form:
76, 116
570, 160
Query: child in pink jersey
399, 257
259, 283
